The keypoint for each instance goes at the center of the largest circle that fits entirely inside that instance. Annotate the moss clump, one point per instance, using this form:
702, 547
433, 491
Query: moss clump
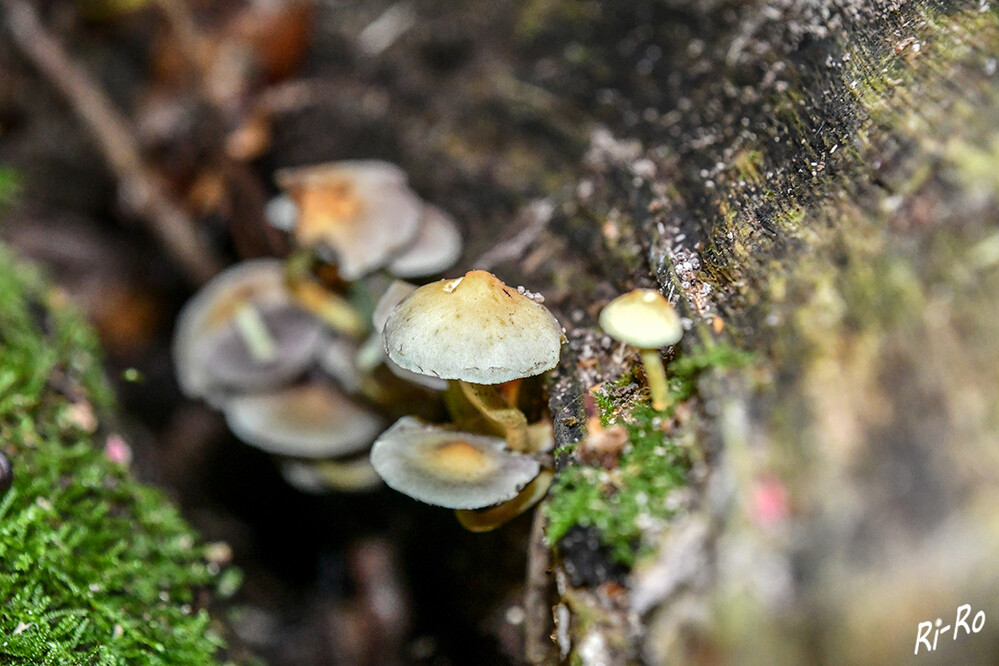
622, 503
94, 566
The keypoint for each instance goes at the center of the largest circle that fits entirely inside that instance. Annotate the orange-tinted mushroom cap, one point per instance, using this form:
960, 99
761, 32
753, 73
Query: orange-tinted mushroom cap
362, 211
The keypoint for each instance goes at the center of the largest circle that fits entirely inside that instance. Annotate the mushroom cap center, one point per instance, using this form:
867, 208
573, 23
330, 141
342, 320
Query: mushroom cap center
334, 203
459, 460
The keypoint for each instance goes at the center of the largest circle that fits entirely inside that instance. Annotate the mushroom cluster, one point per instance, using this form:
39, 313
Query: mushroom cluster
278, 346
483, 338
307, 356
244, 346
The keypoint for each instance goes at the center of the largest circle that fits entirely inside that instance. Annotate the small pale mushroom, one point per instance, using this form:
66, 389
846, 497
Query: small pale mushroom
242, 332
475, 332
309, 420
265, 358
349, 475
435, 249
362, 211
281, 212
644, 319
474, 329
457, 470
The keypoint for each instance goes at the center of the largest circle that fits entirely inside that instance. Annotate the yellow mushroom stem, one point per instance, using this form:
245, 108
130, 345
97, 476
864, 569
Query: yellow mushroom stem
655, 373
334, 310
485, 520
253, 331
472, 405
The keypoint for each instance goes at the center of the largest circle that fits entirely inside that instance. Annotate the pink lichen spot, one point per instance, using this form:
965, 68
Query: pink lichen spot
117, 450
770, 502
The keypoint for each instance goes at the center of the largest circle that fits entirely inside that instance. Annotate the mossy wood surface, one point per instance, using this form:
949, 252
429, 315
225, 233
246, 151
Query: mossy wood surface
815, 184
95, 568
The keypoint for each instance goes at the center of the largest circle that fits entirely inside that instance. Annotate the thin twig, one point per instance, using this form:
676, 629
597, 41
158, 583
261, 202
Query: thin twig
140, 190
537, 609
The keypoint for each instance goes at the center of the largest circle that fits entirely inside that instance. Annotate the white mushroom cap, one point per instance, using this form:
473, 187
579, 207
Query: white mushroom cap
305, 421
472, 328
436, 247
361, 210
457, 470
200, 347
643, 318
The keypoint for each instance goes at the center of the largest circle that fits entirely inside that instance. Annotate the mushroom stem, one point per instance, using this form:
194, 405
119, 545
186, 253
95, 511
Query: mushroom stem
333, 309
655, 373
370, 354
470, 402
488, 519
254, 333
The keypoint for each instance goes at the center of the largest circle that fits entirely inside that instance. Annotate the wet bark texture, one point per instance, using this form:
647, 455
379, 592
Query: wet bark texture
821, 178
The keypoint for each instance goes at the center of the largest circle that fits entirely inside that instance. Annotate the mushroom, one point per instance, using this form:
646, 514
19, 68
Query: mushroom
475, 332
318, 476
436, 247
243, 332
263, 348
308, 420
457, 470
362, 211
645, 319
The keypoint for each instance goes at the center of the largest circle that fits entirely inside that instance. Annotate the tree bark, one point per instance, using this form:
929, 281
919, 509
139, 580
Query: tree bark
816, 182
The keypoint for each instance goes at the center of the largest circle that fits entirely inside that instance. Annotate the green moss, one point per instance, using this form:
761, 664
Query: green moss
618, 502
622, 502
606, 405
8, 184
96, 567
684, 371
